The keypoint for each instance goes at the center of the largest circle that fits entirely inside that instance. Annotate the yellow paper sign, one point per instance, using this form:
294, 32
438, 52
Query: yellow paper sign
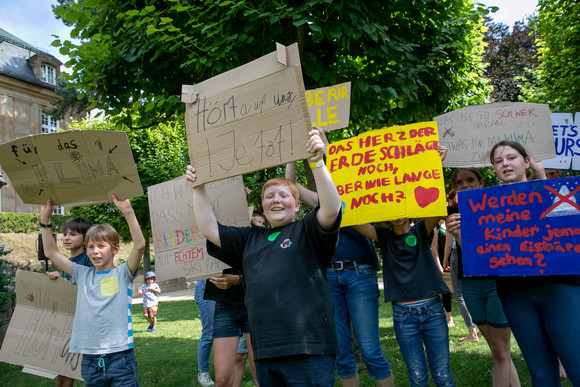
329, 107
388, 174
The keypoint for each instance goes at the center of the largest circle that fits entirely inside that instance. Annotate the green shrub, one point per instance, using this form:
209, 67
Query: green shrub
17, 222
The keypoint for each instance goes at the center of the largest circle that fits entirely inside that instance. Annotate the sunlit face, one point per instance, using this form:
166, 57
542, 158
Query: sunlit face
101, 254
259, 221
510, 166
73, 240
280, 207
150, 280
466, 179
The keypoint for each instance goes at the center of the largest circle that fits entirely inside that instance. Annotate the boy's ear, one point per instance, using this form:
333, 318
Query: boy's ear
116, 249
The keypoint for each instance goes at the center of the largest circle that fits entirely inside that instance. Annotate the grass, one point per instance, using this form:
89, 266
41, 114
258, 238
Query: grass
169, 356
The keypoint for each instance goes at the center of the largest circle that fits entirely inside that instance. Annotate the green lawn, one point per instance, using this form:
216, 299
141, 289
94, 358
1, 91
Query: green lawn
169, 356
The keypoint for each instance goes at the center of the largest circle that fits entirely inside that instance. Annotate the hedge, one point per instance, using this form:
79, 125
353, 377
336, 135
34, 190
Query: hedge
18, 222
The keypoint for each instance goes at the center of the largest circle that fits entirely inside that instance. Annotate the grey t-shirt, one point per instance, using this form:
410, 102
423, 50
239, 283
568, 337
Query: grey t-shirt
102, 321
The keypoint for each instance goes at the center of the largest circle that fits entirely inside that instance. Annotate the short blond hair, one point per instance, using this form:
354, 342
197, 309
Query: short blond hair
102, 233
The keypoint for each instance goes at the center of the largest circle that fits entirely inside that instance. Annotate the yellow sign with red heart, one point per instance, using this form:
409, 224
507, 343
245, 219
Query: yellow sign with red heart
388, 174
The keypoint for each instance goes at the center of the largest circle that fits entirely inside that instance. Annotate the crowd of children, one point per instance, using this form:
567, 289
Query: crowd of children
297, 298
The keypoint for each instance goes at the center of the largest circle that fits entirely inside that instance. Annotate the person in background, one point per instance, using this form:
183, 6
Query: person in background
74, 231
206, 312
150, 291
480, 293
450, 261
552, 173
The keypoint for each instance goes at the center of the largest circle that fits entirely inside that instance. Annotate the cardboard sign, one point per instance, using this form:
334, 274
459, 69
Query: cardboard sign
180, 249
566, 141
527, 229
39, 333
247, 119
329, 107
469, 133
388, 174
73, 168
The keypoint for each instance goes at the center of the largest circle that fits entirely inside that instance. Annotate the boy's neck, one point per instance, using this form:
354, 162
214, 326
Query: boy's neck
403, 229
77, 251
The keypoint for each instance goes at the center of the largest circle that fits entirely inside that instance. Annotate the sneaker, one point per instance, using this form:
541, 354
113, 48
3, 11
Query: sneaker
204, 379
150, 327
153, 330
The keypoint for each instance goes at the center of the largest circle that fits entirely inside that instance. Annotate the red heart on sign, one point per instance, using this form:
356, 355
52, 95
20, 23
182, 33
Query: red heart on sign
426, 196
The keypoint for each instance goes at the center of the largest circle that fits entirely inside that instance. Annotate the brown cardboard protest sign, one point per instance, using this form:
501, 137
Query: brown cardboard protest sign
329, 107
38, 336
180, 249
247, 119
72, 168
469, 133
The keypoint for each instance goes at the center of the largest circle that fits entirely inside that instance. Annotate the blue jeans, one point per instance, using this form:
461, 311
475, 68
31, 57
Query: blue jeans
355, 294
113, 369
298, 370
415, 326
545, 321
206, 312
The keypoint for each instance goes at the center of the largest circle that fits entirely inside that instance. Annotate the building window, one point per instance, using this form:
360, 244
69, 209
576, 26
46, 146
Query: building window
59, 210
48, 74
49, 124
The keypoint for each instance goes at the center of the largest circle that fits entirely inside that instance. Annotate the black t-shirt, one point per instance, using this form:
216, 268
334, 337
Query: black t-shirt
409, 270
234, 295
287, 297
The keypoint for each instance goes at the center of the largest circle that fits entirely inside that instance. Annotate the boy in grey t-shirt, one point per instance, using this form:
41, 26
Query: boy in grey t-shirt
102, 329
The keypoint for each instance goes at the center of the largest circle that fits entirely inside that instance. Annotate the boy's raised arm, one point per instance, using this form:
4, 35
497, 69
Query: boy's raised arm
136, 253
48, 242
308, 197
204, 216
327, 193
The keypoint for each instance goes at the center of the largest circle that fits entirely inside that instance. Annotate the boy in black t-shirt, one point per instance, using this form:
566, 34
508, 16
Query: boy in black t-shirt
288, 302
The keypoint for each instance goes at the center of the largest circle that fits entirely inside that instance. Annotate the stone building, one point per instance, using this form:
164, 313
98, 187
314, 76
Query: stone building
29, 79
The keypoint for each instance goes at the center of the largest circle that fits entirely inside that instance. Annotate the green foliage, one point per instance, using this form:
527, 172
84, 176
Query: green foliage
556, 80
7, 291
18, 222
408, 60
508, 54
160, 154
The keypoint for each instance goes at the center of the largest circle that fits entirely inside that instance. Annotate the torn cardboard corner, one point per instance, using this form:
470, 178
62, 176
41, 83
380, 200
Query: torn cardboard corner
249, 118
39, 333
72, 168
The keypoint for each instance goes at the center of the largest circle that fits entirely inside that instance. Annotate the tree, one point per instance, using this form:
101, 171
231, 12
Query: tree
556, 80
160, 154
408, 60
508, 55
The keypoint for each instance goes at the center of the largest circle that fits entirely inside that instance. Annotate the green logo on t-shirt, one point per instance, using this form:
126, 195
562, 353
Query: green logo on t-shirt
272, 237
411, 240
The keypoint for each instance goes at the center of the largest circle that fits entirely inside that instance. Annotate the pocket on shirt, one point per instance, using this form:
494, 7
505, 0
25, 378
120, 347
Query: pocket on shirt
109, 286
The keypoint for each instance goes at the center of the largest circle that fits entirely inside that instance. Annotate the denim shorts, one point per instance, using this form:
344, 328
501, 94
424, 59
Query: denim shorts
482, 302
230, 320
113, 369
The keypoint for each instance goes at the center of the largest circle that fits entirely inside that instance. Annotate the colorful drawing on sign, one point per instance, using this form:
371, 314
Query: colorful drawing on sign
329, 107
180, 249
566, 141
469, 133
247, 119
72, 168
38, 336
388, 174
522, 229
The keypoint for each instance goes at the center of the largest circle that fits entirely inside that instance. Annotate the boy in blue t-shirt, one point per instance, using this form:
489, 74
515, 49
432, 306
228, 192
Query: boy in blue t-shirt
74, 231
102, 329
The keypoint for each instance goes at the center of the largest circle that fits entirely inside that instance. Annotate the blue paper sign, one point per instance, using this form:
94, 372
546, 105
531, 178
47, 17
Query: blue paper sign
523, 229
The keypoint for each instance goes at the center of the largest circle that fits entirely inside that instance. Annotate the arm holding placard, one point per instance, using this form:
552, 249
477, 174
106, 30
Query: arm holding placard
204, 216
308, 197
48, 242
432, 222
